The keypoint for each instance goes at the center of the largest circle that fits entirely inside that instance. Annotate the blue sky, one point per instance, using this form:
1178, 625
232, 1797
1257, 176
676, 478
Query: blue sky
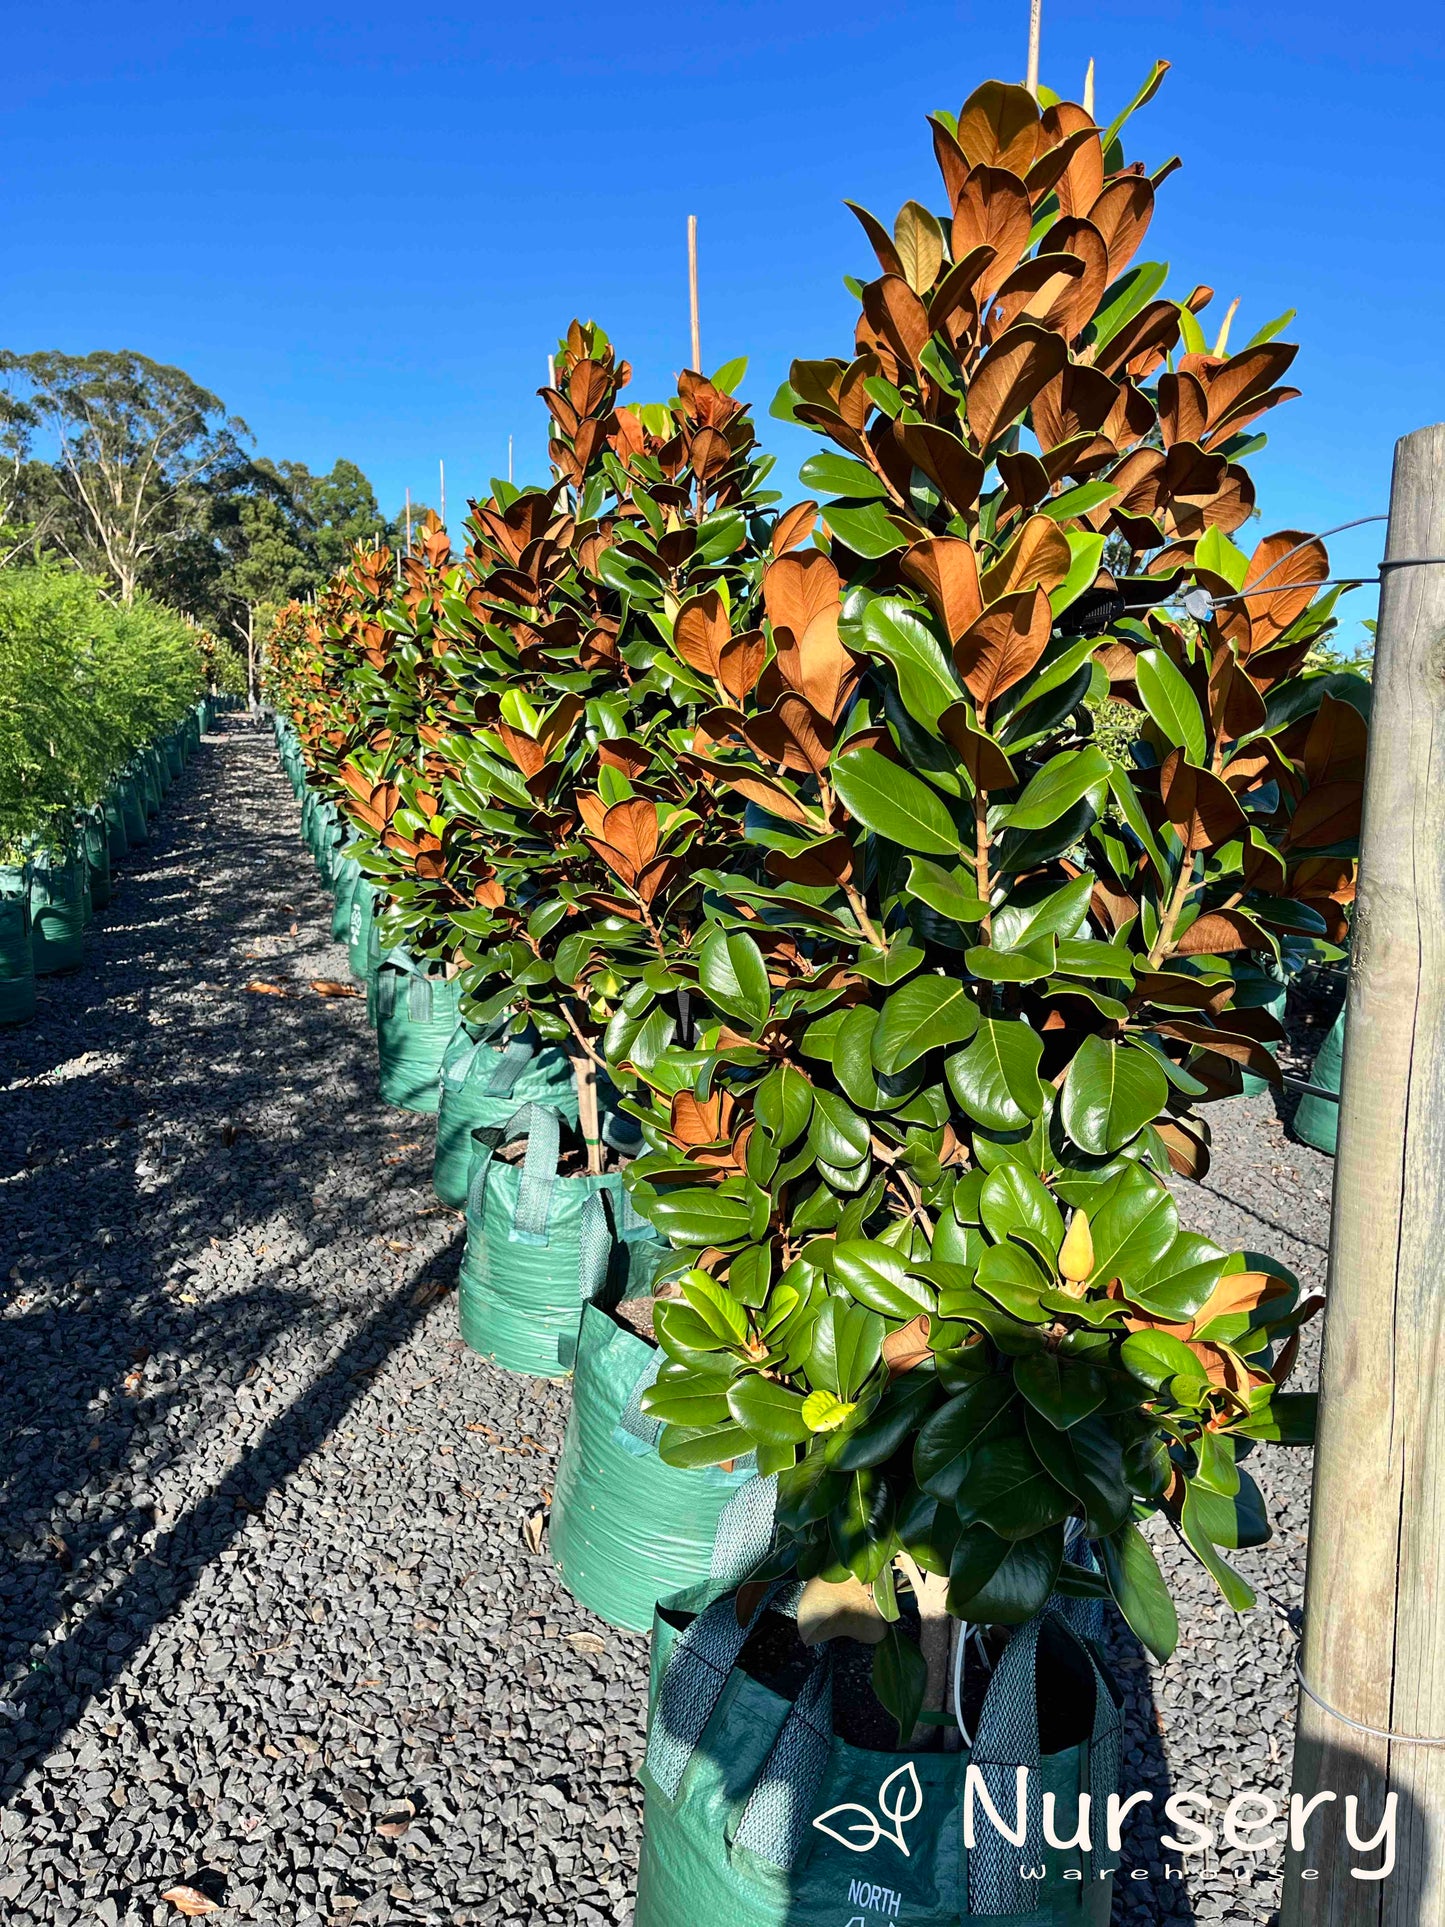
364, 229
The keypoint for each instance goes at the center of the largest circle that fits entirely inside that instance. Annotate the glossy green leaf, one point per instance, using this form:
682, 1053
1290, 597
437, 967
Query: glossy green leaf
1111, 1092
847, 1343
900, 1678
735, 978
1139, 1590
1016, 1204
1171, 704
834, 474
950, 892
879, 1278
783, 1104
995, 1077
1085, 1460
893, 803
1009, 1491
716, 1306
946, 1443
696, 1216
1058, 1390
922, 1014
1009, 1591
837, 1135
926, 682
1062, 782
769, 1411
1133, 1228
867, 531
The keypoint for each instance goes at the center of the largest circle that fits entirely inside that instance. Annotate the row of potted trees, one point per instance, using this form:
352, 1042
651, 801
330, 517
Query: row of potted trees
820, 992
101, 706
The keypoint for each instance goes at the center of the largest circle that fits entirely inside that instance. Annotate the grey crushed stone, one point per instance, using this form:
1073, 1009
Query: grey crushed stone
262, 1589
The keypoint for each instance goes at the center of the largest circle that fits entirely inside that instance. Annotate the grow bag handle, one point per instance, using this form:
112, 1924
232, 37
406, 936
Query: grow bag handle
419, 1006
542, 1129
1008, 1738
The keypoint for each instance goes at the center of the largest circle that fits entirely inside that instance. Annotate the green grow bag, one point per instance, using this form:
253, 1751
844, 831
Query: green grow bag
1317, 1121
483, 1082
415, 1017
17, 961
95, 842
625, 1529
531, 1241
116, 840
736, 1775
344, 881
361, 915
131, 790
59, 911
175, 760
154, 787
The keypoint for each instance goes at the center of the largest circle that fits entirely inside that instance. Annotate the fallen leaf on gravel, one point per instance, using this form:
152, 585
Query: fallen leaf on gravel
61, 1550
427, 1290
479, 1427
399, 1817
587, 1642
264, 989
328, 987
532, 1531
190, 1901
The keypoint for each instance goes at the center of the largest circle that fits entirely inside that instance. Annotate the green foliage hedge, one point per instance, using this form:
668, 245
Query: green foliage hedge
84, 683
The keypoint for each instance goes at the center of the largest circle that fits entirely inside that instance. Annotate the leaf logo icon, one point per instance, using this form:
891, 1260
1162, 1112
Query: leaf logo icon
900, 1799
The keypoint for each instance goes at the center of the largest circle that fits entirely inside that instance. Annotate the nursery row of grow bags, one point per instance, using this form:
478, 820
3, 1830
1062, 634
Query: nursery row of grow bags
49, 895
556, 1281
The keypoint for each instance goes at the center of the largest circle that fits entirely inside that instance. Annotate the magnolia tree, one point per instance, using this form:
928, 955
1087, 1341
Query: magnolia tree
963, 991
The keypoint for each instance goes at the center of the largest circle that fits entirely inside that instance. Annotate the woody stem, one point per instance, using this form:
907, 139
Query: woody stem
1162, 944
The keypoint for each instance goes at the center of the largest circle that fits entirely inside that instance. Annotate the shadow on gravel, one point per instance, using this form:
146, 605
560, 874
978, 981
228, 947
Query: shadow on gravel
147, 1589
152, 1105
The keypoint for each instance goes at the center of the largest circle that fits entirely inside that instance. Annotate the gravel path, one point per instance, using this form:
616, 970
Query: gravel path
269, 1622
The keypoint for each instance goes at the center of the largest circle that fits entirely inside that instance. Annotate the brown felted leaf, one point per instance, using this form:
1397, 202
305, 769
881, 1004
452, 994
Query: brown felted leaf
698, 1120
631, 829
1201, 808
908, 1346
953, 305
801, 596
328, 987
1236, 708
525, 751
1003, 645
1233, 383
710, 454
1187, 1146
749, 1596
879, 238
792, 733
919, 245
897, 317
1009, 376
793, 526
656, 877
1279, 577
821, 868
1076, 402
1025, 478
556, 726
625, 753
532, 1531
1038, 290
1122, 213
592, 811
1145, 339
1334, 750
952, 161
1048, 170
1039, 553
988, 766
741, 663
1082, 180
1239, 1049
190, 1901
1183, 409
700, 630
768, 796
1218, 932
992, 212
842, 1610
998, 126
946, 570
267, 990
1081, 241
1172, 988
1329, 814
951, 467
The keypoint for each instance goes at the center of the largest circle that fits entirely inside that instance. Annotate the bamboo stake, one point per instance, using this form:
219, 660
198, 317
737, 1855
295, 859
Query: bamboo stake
1036, 10
1088, 100
1372, 1717
442, 473
408, 521
692, 291
509, 458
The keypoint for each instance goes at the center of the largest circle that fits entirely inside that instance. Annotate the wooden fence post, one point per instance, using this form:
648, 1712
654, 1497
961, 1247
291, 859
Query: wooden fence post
1373, 1654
